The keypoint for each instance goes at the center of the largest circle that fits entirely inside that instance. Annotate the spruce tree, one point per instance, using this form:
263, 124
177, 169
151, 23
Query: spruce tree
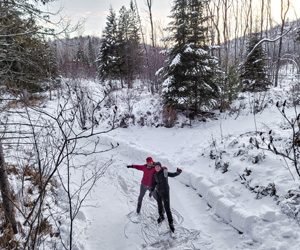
120, 53
25, 59
109, 58
254, 71
129, 44
190, 73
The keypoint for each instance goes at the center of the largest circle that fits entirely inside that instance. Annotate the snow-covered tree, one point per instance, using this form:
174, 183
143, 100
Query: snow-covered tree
109, 57
25, 58
121, 53
129, 44
254, 71
190, 73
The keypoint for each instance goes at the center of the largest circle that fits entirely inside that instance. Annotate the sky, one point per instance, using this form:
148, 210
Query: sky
95, 12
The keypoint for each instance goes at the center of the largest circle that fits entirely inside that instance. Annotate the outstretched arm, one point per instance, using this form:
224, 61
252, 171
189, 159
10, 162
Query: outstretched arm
173, 174
138, 167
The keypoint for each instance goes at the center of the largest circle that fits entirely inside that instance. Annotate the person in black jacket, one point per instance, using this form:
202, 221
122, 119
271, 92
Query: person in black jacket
160, 183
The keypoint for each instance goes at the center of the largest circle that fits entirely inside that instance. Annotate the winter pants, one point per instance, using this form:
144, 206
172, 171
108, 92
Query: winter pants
143, 190
165, 198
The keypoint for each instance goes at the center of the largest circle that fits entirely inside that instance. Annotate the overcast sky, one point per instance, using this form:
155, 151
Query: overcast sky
96, 11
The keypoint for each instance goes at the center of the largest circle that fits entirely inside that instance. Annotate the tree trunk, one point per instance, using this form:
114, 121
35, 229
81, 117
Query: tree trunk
283, 19
5, 192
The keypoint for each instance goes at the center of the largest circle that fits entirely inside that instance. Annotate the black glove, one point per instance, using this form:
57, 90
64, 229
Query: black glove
150, 194
179, 170
129, 166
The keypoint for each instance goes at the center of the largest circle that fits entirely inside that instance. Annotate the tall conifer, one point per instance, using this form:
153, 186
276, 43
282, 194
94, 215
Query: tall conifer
254, 71
25, 59
190, 73
109, 56
121, 53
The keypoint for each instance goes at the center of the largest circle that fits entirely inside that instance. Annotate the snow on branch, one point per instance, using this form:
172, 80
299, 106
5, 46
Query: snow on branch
268, 40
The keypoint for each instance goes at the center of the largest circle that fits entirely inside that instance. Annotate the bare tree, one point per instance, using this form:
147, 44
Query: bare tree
153, 77
51, 143
214, 10
6, 193
283, 13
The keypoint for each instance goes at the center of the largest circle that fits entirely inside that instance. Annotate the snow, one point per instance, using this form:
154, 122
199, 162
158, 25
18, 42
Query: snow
176, 60
225, 210
188, 49
212, 208
201, 52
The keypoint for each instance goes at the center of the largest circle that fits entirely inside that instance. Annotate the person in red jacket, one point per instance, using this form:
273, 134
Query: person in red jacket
147, 179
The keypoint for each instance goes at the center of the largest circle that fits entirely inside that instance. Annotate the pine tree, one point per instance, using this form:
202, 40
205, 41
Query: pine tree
134, 43
122, 44
23, 58
120, 53
109, 58
190, 73
129, 44
254, 71
230, 86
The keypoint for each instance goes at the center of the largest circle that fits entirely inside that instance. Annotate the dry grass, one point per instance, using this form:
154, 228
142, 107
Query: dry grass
169, 116
37, 182
32, 101
7, 239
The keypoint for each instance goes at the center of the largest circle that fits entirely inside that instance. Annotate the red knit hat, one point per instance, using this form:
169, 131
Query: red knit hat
149, 159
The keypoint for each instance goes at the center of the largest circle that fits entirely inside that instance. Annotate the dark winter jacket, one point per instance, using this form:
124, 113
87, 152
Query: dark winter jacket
160, 181
148, 174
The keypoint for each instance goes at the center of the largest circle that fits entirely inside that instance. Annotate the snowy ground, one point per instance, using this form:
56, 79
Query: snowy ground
212, 210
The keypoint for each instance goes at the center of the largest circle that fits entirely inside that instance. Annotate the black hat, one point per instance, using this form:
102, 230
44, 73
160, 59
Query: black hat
158, 163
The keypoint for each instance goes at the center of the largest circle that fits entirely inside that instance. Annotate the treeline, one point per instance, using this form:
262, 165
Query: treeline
211, 50
76, 57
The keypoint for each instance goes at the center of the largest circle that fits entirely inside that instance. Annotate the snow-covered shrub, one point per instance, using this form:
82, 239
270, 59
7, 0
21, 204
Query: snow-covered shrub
135, 106
244, 177
294, 95
287, 147
249, 102
255, 159
269, 190
290, 204
85, 100
259, 102
129, 98
126, 120
240, 152
221, 160
260, 190
222, 165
